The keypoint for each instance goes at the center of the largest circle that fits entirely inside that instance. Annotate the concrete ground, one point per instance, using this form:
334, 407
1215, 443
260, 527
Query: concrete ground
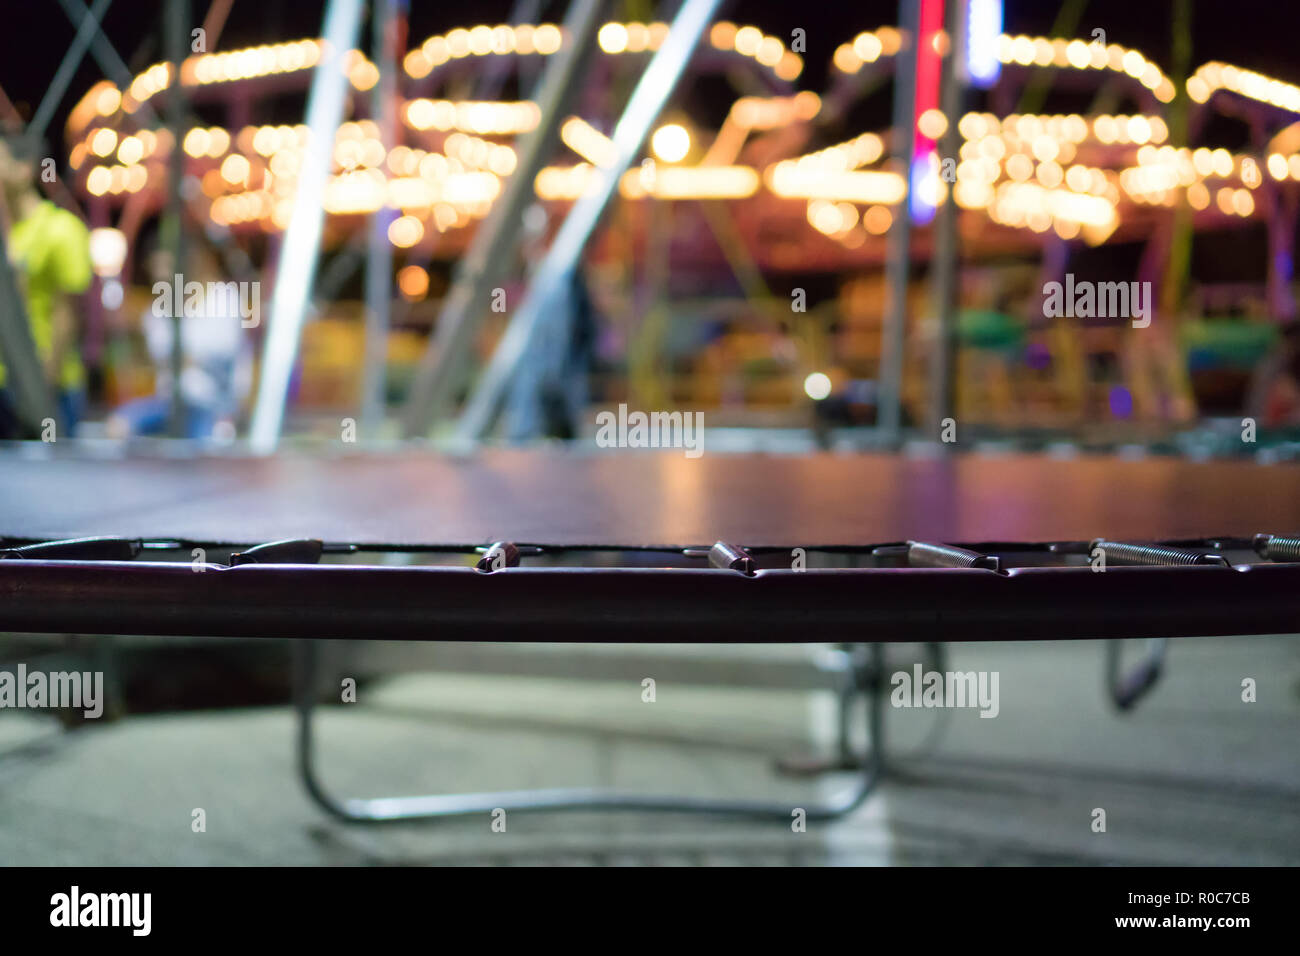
1193, 776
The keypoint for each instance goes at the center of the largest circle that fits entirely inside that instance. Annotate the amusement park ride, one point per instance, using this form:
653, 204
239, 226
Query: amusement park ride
773, 185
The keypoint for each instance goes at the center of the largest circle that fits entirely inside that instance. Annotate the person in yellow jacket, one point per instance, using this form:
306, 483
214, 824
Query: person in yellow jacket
49, 250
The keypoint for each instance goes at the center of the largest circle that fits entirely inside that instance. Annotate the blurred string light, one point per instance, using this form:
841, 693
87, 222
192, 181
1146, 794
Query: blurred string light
817, 386
111, 294
859, 151
413, 283
587, 141
614, 39
877, 220
502, 40
130, 151
1214, 76
692, 182
108, 249
568, 183
867, 48
984, 49
1021, 170
1280, 166
671, 142
472, 117
256, 171
1059, 53
405, 231
750, 113
774, 112
789, 180
750, 41
834, 219
252, 63
103, 142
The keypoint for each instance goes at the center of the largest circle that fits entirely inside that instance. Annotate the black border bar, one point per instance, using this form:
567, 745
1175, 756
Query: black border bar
610, 605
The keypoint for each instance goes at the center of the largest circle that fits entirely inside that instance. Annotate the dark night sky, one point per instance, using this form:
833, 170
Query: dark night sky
1258, 33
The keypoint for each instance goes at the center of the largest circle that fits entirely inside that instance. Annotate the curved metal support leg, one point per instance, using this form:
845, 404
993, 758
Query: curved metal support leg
860, 677
394, 809
1128, 687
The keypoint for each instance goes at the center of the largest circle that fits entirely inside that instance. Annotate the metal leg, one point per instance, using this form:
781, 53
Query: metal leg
860, 677
1127, 688
393, 809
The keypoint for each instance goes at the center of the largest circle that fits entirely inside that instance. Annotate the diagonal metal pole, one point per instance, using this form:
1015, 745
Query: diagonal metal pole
86, 31
443, 367
648, 98
301, 250
100, 48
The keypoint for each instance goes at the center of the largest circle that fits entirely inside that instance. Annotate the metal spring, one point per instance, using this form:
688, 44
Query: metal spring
1152, 555
1275, 547
77, 549
923, 554
729, 557
288, 551
502, 554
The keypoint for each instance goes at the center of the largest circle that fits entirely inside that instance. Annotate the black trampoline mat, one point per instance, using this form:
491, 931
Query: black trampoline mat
639, 499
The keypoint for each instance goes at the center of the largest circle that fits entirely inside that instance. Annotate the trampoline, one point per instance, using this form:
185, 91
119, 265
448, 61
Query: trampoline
849, 516
857, 551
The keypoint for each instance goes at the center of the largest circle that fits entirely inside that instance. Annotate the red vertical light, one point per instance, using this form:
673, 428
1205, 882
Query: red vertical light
928, 64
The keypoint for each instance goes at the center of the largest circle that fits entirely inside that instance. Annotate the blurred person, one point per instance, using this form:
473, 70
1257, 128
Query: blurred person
49, 249
549, 393
1153, 365
216, 360
1274, 396
989, 353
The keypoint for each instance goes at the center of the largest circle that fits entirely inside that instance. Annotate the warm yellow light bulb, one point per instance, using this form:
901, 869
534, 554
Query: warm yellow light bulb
671, 143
